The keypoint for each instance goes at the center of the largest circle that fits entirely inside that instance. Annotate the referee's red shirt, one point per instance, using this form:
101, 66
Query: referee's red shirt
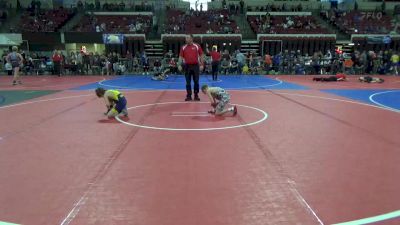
215, 56
191, 53
57, 58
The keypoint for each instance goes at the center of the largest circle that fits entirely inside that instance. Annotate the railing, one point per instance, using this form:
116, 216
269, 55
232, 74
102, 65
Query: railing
259, 36
202, 35
97, 13
279, 13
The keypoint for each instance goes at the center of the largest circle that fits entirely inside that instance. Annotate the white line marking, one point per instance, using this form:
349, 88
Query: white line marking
75, 210
193, 129
113, 86
58, 85
248, 91
44, 100
339, 100
269, 85
371, 98
83, 199
189, 113
33, 84
183, 80
350, 85
193, 115
292, 186
368, 220
7, 223
122, 87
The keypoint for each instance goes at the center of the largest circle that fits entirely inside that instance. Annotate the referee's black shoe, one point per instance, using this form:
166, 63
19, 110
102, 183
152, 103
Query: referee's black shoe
188, 98
196, 98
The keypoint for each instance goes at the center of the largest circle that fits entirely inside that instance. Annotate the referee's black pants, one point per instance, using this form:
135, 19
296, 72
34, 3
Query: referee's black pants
192, 70
57, 68
215, 66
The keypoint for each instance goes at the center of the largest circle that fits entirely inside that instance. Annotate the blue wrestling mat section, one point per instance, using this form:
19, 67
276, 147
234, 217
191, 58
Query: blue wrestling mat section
385, 98
177, 82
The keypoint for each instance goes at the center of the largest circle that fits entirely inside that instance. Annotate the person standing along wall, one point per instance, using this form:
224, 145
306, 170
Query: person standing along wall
16, 60
216, 58
57, 61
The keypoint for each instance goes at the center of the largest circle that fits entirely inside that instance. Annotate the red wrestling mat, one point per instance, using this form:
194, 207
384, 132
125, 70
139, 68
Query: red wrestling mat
48, 82
315, 159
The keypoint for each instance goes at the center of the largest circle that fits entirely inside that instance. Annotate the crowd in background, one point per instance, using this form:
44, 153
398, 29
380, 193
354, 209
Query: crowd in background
282, 24
360, 22
34, 20
194, 21
78, 62
82, 63
276, 8
115, 24
121, 6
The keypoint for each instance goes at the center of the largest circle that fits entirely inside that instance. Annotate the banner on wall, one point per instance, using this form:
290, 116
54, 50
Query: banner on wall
10, 39
379, 39
113, 39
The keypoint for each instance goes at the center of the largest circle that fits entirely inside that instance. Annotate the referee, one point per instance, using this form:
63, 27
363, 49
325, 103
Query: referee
191, 55
216, 58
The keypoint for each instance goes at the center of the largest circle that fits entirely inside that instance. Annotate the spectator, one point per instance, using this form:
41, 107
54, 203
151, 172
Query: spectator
15, 60
267, 62
29, 66
129, 61
172, 66
57, 62
215, 60
241, 58
145, 63
348, 66
395, 63
157, 68
225, 65
234, 66
135, 64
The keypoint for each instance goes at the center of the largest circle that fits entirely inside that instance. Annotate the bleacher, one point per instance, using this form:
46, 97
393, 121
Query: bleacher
285, 24
44, 20
212, 21
140, 24
360, 22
